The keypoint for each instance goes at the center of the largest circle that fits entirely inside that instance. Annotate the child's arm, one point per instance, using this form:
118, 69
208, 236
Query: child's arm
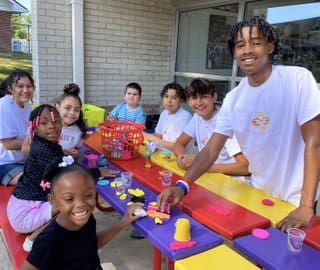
72, 151
156, 137
239, 167
106, 235
179, 150
25, 148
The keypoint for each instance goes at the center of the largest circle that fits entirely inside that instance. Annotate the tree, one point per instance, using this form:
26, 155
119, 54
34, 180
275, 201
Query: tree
20, 25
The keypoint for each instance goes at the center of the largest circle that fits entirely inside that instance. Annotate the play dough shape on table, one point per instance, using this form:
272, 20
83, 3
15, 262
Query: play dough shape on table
260, 233
136, 192
103, 182
267, 202
140, 212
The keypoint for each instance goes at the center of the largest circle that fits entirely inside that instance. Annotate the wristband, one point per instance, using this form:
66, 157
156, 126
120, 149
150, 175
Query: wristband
183, 185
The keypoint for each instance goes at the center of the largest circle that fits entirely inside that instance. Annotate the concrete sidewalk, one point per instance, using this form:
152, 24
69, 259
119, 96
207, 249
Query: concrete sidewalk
121, 253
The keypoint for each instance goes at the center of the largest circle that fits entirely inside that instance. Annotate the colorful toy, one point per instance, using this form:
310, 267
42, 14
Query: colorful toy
148, 160
92, 158
182, 235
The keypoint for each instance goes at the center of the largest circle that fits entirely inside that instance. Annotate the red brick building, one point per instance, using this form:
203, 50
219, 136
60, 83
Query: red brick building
7, 7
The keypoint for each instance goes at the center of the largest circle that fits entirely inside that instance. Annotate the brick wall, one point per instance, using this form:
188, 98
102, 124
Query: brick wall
5, 33
125, 41
51, 47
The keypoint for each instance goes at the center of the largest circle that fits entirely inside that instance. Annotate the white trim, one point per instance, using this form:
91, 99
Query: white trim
12, 6
207, 76
78, 45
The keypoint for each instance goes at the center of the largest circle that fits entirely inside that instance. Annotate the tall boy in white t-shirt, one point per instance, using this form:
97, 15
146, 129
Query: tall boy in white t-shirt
274, 112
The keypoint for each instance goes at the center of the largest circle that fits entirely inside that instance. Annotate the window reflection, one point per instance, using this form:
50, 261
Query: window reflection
299, 31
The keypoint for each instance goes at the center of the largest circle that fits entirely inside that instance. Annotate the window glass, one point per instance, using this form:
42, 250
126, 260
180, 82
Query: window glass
202, 39
298, 25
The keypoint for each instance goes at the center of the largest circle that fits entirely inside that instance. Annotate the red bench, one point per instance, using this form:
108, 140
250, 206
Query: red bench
12, 239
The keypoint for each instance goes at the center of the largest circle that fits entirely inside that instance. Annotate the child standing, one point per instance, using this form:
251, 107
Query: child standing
70, 240
173, 119
73, 126
16, 92
202, 98
28, 208
274, 112
129, 110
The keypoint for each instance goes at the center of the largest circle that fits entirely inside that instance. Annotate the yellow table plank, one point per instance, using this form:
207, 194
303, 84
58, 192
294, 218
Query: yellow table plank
220, 257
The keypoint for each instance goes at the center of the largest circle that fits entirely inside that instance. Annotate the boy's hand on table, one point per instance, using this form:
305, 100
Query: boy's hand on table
185, 161
299, 217
174, 193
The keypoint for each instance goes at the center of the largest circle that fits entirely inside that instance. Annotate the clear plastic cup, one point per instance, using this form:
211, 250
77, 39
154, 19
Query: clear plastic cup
166, 177
295, 239
119, 185
127, 178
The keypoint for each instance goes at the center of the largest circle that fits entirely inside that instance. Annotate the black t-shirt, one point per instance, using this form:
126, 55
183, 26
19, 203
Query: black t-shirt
59, 249
42, 152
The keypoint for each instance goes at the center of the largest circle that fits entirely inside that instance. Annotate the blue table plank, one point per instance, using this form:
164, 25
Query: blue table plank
273, 253
162, 235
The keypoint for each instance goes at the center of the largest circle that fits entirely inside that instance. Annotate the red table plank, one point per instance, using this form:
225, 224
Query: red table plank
313, 233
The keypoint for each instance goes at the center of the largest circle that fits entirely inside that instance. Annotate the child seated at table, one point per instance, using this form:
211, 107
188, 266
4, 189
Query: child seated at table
70, 241
129, 110
173, 118
73, 125
202, 97
28, 208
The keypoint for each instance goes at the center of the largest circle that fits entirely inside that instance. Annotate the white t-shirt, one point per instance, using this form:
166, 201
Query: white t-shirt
14, 123
170, 126
266, 121
70, 137
202, 130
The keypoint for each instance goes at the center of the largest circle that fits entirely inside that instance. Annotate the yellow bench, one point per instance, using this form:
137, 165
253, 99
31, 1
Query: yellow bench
220, 257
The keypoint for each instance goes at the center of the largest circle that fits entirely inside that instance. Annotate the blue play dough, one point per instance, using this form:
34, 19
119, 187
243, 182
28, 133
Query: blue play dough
103, 182
166, 151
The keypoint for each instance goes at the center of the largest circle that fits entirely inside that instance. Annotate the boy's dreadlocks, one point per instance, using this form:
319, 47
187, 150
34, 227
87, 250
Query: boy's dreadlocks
264, 29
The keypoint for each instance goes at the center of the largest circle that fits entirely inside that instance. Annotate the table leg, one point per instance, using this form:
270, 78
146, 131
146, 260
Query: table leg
102, 208
170, 264
156, 259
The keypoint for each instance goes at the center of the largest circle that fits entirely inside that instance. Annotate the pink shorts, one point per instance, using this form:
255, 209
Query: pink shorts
27, 216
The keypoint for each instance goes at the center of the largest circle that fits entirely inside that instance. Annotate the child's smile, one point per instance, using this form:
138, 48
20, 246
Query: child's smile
74, 197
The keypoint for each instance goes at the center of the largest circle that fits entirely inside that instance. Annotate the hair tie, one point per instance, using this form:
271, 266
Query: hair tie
52, 116
66, 161
37, 120
45, 185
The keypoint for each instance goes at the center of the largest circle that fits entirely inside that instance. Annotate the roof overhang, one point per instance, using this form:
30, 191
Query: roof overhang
12, 6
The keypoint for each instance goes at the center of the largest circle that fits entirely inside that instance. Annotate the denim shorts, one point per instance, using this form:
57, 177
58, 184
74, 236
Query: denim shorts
9, 171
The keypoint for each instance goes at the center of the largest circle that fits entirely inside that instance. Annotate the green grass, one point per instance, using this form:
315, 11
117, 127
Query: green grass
17, 60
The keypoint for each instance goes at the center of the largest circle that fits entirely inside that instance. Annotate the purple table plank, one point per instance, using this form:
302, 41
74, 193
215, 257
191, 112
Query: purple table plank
273, 253
162, 235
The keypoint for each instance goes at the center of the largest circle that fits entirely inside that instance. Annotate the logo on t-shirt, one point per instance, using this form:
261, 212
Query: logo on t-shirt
261, 121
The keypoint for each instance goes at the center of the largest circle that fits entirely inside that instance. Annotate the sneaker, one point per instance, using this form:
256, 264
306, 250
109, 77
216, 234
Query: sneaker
136, 234
27, 244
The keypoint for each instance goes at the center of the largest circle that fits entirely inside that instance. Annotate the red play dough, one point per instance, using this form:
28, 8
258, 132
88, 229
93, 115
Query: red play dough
267, 202
260, 233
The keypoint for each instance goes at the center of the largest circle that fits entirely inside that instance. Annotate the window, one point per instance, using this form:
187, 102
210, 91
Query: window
201, 48
298, 25
202, 33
